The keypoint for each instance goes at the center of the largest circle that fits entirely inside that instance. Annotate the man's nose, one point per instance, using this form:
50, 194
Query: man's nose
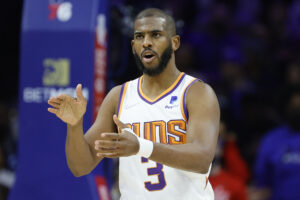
147, 41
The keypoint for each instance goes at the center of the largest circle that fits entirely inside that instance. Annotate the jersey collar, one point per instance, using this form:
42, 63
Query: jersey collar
163, 94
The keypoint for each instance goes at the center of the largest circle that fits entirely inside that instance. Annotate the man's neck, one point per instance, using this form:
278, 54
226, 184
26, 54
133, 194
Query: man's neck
153, 86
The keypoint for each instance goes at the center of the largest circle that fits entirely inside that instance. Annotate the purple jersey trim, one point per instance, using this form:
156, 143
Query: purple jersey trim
120, 99
184, 98
149, 102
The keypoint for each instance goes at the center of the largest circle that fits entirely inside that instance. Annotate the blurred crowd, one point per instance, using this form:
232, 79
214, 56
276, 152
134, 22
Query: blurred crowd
10, 20
248, 51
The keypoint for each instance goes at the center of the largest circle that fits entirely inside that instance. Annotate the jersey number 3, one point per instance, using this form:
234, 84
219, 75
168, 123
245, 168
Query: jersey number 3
160, 175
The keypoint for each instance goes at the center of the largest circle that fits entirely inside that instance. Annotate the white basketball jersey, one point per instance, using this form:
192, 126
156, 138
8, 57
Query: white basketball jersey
162, 120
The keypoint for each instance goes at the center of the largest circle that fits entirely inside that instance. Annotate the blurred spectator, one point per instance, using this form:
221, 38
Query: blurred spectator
277, 169
186, 59
294, 24
229, 171
209, 37
293, 74
7, 177
234, 84
233, 160
8, 136
7, 150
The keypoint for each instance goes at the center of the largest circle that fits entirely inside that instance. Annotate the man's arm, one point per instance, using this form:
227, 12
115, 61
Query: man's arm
202, 134
80, 152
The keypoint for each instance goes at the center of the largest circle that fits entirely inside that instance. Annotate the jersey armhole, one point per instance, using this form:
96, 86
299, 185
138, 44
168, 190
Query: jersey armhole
121, 99
184, 111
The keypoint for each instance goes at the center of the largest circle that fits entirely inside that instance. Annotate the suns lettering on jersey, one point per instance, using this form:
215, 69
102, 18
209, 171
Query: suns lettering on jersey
177, 129
147, 130
161, 127
129, 126
172, 133
136, 128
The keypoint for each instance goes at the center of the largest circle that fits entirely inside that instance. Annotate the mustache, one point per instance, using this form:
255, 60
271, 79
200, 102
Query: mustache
148, 49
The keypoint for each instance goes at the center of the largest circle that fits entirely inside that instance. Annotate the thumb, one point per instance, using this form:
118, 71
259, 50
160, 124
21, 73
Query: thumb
119, 124
79, 92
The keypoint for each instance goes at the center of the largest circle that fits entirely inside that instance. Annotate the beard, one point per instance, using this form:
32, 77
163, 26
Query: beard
165, 57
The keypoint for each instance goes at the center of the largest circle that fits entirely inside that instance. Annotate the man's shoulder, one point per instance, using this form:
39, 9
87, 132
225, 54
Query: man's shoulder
116, 91
200, 90
201, 100
112, 97
196, 81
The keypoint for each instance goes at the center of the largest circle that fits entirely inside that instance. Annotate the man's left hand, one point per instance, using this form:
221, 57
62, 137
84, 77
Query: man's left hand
114, 145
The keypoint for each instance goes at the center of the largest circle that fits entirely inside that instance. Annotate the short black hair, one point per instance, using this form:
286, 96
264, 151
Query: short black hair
155, 12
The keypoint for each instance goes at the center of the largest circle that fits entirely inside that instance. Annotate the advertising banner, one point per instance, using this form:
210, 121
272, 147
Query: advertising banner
57, 53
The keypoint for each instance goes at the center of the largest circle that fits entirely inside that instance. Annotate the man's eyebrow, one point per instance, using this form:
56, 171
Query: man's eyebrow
153, 31
156, 31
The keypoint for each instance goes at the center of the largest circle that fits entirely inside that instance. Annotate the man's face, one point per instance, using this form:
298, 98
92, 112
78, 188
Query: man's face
152, 46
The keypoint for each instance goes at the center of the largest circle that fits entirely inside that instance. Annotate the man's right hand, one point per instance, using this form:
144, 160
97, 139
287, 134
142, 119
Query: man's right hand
67, 108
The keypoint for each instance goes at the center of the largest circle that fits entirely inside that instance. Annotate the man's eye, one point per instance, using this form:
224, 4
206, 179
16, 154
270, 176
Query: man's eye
156, 35
139, 37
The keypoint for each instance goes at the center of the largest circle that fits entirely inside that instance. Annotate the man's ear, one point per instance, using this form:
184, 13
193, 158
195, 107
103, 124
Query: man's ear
175, 42
132, 43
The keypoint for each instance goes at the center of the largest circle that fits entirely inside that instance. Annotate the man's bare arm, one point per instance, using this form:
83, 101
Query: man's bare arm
103, 123
202, 133
80, 152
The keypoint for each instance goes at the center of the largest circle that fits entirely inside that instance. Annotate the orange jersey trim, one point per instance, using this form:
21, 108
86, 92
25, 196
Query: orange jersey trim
164, 93
183, 102
121, 99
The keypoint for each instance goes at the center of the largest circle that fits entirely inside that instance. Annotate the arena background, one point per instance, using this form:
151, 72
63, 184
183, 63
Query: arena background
248, 51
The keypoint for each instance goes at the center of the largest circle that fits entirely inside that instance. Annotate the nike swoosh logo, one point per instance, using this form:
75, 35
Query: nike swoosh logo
131, 105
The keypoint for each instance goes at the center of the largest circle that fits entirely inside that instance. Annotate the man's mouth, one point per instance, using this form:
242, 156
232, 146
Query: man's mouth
148, 56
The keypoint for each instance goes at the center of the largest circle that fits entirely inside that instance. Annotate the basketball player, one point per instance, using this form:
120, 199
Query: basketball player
168, 122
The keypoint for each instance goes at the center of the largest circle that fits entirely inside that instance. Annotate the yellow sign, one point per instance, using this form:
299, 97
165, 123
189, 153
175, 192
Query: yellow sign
56, 72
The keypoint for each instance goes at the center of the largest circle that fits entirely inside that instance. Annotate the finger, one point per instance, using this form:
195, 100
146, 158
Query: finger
53, 110
105, 150
55, 100
79, 92
120, 124
109, 155
111, 136
62, 97
53, 104
106, 144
